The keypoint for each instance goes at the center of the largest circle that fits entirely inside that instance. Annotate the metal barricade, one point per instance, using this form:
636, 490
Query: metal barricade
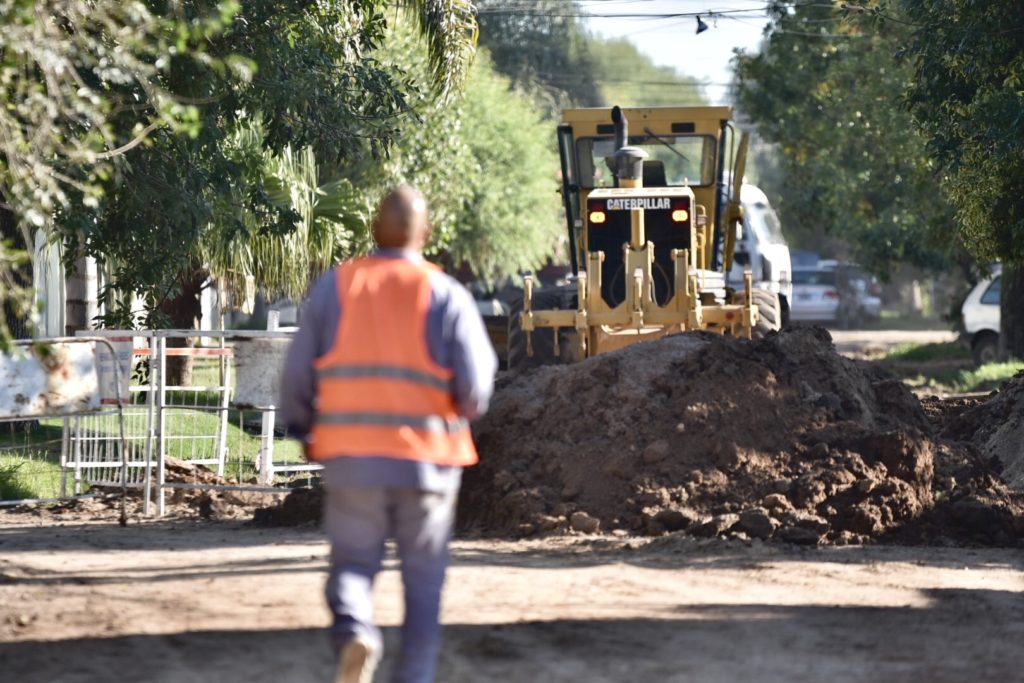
204, 422
55, 382
223, 420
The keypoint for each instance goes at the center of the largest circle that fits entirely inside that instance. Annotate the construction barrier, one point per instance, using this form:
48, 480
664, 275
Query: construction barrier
46, 385
141, 418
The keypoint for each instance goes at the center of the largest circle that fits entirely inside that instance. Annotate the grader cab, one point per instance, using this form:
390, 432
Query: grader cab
652, 206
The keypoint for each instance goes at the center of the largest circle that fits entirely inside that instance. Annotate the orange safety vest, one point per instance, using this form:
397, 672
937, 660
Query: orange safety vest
379, 392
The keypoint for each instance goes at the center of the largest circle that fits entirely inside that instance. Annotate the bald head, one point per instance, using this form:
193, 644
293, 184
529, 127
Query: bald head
402, 221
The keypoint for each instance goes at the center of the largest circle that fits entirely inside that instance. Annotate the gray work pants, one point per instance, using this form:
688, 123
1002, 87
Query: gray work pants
358, 521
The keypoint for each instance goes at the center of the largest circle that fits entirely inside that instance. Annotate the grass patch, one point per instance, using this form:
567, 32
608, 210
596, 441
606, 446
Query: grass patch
924, 353
32, 474
30, 451
892, 320
967, 380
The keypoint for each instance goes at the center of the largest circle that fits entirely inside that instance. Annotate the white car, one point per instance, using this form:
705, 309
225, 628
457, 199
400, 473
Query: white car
815, 295
981, 318
862, 290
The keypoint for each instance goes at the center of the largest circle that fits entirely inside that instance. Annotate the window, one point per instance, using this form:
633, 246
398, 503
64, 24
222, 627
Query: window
686, 158
814, 277
991, 295
761, 217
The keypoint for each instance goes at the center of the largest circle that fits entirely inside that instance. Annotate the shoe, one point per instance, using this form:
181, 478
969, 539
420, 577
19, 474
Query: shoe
356, 663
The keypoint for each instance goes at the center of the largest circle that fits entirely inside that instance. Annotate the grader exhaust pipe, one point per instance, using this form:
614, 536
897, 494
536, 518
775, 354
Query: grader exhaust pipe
627, 164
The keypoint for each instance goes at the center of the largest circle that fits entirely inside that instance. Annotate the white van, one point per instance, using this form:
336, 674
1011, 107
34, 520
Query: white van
761, 246
981, 318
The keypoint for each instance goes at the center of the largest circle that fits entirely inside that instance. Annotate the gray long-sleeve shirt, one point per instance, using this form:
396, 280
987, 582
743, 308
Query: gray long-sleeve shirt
456, 339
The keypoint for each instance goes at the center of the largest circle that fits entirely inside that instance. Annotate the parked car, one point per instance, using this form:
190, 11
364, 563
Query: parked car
981, 318
815, 295
863, 291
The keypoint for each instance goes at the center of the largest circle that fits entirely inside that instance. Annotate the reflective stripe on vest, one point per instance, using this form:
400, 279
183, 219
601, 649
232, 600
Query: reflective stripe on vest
383, 372
434, 424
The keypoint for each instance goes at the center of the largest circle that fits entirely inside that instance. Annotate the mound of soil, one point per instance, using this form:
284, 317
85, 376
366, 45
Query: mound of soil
776, 438
996, 427
301, 506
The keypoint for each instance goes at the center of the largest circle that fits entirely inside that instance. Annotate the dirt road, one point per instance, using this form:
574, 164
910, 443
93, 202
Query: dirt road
187, 601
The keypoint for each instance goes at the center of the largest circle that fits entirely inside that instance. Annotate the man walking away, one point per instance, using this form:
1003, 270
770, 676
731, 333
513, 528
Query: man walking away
391, 362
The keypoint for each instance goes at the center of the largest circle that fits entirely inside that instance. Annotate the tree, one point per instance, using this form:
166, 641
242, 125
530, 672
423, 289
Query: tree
541, 45
330, 220
544, 45
484, 159
967, 97
510, 220
82, 84
314, 87
827, 94
487, 164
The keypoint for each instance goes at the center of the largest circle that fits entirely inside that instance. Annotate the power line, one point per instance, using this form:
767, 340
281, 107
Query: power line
531, 11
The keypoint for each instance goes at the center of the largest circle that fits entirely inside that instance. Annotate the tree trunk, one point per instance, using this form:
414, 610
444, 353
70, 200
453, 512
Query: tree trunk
81, 291
1011, 311
184, 312
18, 323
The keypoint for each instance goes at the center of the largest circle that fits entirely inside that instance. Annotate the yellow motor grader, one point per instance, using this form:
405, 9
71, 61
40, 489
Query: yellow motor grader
652, 203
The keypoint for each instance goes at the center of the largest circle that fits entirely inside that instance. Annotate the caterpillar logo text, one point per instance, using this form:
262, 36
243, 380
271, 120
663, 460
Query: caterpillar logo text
645, 203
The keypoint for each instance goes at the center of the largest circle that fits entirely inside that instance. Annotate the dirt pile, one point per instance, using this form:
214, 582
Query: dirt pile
778, 438
302, 506
996, 428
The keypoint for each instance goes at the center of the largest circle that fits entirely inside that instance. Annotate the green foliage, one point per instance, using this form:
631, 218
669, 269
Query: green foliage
487, 165
509, 221
29, 475
962, 381
450, 30
826, 93
967, 95
329, 220
929, 352
541, 47
84, 82
278, 209
81, 84
15, 291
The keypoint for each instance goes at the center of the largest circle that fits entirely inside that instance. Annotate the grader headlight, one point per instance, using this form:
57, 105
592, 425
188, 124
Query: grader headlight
597, 215
680, 210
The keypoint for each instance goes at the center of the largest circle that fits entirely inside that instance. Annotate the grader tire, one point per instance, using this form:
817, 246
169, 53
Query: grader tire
769, 311
543, 338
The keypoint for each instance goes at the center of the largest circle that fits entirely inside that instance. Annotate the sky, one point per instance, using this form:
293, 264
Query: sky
672, 41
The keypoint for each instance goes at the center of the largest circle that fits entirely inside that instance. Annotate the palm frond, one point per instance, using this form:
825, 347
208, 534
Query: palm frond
330, 224
451, 31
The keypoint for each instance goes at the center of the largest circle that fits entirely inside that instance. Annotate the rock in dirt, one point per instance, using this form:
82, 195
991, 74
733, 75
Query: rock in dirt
834, 450
675, 519
756, 524
301, 506
716, 526
799, 535
584, 523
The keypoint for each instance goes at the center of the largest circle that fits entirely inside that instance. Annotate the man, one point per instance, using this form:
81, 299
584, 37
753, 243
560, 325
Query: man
391, 362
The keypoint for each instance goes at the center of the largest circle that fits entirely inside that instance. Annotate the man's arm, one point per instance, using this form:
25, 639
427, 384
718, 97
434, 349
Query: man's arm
298, 378
472, 356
